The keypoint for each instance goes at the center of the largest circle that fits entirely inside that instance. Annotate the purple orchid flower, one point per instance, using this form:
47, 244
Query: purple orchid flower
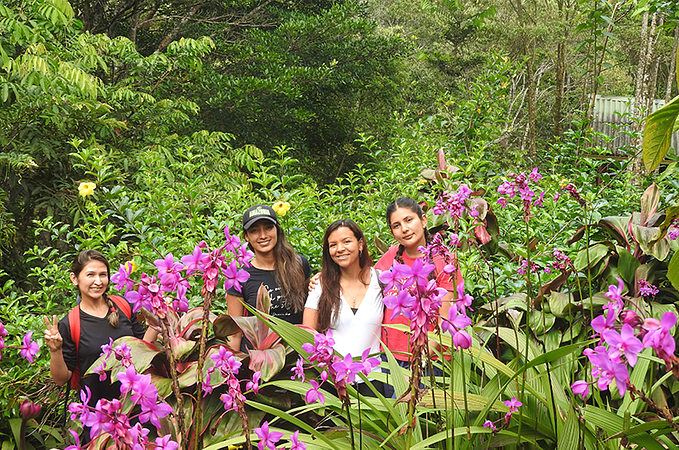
624, 343
267, 438
30, 348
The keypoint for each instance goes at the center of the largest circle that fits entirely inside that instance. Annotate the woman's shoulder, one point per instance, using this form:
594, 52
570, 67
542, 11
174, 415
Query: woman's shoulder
387, 260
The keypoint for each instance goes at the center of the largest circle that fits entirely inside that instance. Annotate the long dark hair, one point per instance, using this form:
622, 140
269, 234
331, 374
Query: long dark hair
83, 259
409, 203
330, 301
289, 273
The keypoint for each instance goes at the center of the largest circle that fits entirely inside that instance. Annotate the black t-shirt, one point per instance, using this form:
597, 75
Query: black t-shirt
268, 278
95, 332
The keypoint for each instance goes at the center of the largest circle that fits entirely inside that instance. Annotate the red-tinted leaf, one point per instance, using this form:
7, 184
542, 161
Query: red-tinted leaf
263, 305
617, 227
189, 376
269, 341
644, 235
481, 233
224, 326
249, 326
649, 202
577, 236
269, 362
181, 346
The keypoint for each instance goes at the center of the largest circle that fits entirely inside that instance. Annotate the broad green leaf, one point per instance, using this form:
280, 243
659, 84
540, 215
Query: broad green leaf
644, 235
142, 354
558, 302
658, 134
249, 326
627, 264
611, 424
596, 253
673, 270
181, 347
569, 438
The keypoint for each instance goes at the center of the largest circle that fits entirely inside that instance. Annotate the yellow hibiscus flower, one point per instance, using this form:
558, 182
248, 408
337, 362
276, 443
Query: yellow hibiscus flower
86, 189
281, 207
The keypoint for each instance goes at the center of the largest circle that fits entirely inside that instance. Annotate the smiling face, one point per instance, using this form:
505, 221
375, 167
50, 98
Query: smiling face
92, 281
344, 248
408, 228
262, 236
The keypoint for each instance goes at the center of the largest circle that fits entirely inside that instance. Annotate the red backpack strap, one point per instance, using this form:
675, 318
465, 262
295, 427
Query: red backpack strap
74, 324
122, 304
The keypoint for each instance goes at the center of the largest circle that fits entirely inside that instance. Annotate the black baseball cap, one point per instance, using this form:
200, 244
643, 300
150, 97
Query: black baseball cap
258, 212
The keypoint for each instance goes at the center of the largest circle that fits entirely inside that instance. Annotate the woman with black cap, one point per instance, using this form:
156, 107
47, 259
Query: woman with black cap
276, 265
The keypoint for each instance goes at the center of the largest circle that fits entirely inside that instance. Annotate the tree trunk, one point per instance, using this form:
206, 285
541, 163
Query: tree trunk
560, 69
641, 82
673, 65
531, 102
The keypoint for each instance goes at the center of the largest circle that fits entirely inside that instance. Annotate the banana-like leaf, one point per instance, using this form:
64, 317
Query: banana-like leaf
673, 271
658, 134
596, 253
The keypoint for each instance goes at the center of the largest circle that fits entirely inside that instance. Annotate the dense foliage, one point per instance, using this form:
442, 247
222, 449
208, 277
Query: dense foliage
143, 128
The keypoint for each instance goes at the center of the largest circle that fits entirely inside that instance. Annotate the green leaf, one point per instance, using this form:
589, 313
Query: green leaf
671, 214
569, 438
673, 271
596, 253
627, 264
658, 134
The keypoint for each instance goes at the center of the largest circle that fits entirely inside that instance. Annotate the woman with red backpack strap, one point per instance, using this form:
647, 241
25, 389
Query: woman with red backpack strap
75, 342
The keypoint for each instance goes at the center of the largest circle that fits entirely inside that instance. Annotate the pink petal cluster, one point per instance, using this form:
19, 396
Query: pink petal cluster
341, 371
623, 335
111, 418
519, 184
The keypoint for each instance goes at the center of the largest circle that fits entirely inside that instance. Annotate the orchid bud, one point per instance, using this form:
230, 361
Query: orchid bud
631, 318
202, 244
442, 159
29, 410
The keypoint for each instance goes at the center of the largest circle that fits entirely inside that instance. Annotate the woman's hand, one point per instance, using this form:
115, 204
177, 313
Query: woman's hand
313, 281
53, 338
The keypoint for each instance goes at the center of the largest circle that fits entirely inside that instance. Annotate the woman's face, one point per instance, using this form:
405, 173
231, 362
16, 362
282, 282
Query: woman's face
407, 228
92, 281
262, 236
344, 248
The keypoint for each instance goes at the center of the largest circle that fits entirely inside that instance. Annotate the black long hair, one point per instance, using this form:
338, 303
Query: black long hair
330, 302
84, 258
289, 273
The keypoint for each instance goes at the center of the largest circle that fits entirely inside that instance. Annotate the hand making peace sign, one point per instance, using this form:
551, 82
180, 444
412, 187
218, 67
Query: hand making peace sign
53, 338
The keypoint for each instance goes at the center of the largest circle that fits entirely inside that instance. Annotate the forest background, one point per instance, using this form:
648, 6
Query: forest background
185, 113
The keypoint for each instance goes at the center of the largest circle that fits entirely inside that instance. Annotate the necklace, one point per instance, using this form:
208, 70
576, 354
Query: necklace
358, 291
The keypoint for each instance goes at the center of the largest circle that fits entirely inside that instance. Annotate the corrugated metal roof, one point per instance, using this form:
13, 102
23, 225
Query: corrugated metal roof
617, 111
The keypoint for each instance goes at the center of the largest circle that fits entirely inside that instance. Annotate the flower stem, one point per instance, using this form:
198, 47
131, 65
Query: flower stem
165, 327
